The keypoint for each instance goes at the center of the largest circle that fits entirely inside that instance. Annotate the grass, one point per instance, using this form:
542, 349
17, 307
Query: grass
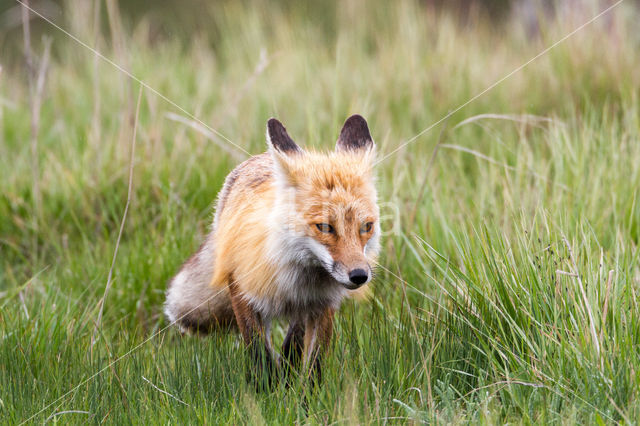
507, 287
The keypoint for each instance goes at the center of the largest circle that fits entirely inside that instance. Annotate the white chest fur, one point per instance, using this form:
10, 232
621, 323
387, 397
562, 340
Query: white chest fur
299, 290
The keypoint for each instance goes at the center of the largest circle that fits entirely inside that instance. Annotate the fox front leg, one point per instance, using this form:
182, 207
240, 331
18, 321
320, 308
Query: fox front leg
317, 339
292, 348
256, 336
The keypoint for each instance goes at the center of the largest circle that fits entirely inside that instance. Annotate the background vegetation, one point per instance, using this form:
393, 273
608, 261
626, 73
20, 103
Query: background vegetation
507, 288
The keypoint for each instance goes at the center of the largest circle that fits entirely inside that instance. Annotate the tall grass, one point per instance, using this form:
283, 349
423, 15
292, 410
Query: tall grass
507, 291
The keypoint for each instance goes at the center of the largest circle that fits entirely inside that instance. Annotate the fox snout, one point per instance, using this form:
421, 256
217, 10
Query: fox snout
347, 261
358, 276
353, 278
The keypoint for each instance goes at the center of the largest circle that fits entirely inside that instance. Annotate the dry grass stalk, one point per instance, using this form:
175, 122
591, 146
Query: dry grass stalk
36, 76
587, 307
124, 218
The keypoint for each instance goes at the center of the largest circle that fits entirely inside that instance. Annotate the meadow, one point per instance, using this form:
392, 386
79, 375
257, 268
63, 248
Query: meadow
507, 285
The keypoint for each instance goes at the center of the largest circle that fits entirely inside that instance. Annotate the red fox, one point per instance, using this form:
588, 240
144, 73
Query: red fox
294, 233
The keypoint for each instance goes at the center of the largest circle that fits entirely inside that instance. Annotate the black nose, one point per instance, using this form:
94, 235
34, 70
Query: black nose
358, 276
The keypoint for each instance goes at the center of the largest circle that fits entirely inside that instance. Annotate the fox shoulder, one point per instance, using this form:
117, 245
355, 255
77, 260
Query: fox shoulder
246, 177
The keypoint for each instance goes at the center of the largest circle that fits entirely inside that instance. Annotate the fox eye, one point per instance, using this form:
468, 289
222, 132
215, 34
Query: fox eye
366, 228
325, 227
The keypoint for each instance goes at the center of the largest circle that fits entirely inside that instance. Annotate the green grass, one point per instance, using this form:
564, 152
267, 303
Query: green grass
470, 319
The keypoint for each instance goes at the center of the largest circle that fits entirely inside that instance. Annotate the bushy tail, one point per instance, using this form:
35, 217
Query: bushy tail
191, 302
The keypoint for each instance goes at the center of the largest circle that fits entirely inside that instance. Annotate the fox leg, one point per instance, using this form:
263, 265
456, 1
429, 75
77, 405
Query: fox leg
293, 344
255, 333
292, 348
317, 338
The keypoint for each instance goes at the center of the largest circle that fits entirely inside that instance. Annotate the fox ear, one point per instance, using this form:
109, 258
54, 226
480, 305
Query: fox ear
282, 148
279, 139
354, 135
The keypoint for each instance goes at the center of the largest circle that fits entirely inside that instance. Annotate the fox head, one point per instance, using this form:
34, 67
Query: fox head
326, 203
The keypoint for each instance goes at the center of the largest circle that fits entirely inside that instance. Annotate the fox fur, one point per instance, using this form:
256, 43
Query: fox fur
295, 232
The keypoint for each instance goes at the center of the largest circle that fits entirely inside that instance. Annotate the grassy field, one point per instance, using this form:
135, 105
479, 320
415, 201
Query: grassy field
507, 287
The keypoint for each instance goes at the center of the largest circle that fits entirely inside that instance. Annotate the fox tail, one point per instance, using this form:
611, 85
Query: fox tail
192, 304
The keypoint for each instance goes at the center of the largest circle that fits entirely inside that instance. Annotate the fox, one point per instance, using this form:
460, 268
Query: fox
295, 232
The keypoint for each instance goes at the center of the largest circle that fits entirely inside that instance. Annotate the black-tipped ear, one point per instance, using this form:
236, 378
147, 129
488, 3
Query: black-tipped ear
355, 134
279, 139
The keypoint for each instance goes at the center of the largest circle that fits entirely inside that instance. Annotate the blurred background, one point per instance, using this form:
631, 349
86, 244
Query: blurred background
166, 20
169, 20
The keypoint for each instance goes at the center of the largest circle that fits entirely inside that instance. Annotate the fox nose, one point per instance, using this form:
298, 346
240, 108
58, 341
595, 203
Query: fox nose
358, 276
